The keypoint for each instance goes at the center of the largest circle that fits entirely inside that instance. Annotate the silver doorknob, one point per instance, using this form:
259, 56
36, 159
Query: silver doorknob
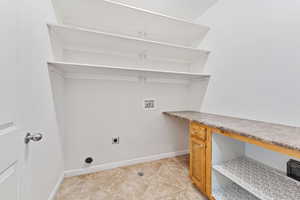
33, 137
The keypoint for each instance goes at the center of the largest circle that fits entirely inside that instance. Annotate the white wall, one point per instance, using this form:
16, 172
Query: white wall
255, 59
35, 105
97, 110
184, 9
255, 64
58, 88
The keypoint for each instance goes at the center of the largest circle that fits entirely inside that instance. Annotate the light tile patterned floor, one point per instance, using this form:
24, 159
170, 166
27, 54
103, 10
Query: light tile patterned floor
165, 179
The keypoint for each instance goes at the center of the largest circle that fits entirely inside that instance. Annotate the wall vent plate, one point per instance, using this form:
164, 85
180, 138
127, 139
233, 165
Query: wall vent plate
149, 104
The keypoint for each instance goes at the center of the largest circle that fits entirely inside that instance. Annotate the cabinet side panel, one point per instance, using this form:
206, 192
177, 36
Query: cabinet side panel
224, 149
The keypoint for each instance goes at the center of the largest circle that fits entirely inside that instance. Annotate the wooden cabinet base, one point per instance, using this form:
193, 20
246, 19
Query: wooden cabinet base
199, 185
200, 157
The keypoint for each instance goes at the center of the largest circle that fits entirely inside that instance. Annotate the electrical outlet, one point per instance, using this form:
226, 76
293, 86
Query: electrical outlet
115, 140
149, 104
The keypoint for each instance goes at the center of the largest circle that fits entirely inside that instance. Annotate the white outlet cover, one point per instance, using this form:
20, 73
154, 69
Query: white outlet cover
149, 104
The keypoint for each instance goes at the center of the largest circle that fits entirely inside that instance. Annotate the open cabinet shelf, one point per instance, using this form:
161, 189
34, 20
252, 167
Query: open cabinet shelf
81, 71
260, 180
79, 45
109, 16
233, 192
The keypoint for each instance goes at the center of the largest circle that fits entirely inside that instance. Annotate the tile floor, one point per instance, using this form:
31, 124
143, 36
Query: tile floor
165, 179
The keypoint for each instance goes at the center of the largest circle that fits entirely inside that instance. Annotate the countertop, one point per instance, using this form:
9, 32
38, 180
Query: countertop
280, 135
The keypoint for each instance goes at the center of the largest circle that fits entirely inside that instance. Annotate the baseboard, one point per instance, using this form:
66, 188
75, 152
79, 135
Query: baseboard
56, 187
107, 166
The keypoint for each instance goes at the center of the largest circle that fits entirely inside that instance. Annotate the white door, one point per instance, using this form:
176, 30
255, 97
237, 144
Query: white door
11, 139
26, 103
12, 146
11, 162
12, 143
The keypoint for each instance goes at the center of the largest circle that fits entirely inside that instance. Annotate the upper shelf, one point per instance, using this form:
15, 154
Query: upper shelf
94, 47
108, 16
86, 71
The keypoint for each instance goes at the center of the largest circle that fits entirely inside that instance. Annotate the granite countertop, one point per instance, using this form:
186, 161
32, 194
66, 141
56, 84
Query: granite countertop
281, 135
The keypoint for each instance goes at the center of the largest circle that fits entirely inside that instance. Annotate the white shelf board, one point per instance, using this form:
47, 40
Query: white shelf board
71, 34
86, 71
109, 16
114, 46
232, 192
260, 180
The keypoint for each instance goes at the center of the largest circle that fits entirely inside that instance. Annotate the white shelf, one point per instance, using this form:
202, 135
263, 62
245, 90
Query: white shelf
86, 71
88, 46
108, 16
233, 192
260, 180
